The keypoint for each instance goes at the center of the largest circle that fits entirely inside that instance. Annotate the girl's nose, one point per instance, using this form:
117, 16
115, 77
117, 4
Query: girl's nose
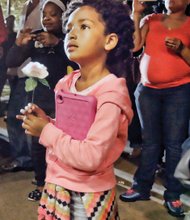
72, 34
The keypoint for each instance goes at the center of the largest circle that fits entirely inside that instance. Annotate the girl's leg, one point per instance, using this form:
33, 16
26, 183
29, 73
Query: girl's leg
98, 205
38, 157
77, 209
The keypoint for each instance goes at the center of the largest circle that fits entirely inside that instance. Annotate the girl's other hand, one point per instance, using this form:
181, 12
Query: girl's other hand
32, 109
34, 119
34, 125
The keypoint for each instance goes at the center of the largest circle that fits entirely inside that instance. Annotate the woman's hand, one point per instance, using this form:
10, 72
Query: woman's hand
24, 37
47, 39
174, 44
139, 35
138, 7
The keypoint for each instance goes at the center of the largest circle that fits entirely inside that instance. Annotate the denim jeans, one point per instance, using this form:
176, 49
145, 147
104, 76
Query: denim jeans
19, 143
164, 117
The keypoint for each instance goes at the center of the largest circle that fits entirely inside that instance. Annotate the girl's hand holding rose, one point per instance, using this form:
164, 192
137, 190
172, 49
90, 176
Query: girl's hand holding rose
34, 119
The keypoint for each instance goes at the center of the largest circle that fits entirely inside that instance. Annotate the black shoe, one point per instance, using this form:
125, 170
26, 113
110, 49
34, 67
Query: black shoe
35, 195
131, 196
174, 208
14, 166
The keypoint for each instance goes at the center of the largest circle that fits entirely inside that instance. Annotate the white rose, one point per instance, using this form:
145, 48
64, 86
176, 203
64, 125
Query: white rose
35, 69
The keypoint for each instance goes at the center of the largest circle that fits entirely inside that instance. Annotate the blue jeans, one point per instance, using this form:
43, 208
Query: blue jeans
164, 117
19, 143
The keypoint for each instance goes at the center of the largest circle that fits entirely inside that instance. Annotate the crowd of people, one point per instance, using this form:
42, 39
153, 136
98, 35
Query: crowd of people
135, 61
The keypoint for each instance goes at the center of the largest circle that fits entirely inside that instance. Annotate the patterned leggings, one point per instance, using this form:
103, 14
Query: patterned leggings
58, 203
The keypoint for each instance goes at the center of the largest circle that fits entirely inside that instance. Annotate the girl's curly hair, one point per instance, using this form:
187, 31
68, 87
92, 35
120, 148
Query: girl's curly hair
115, 15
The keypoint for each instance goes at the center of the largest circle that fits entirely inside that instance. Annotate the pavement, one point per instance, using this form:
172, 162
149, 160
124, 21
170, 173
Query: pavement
14, 188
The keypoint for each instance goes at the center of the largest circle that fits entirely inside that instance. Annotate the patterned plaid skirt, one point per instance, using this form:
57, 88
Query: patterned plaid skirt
56, 203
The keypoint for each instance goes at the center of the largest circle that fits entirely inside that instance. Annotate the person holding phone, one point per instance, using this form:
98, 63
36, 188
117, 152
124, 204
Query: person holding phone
162, 97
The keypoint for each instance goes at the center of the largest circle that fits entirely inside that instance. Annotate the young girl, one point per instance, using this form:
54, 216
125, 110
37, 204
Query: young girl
80, 181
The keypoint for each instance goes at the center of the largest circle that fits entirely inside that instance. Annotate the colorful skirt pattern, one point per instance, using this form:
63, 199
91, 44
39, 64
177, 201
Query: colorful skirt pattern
55, 204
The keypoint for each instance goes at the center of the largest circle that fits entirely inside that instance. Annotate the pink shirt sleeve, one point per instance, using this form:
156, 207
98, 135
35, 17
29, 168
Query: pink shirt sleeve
92, 152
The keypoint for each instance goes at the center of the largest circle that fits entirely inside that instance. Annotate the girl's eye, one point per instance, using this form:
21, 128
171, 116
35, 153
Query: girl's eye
84, 26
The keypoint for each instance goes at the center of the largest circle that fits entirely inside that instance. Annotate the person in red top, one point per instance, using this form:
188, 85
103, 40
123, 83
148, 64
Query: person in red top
162, 97
3, 32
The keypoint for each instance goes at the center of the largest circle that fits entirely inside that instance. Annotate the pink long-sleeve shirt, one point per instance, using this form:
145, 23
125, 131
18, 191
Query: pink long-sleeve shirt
87, 165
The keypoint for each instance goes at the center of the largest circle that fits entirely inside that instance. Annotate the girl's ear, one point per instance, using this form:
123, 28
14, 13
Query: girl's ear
111, 41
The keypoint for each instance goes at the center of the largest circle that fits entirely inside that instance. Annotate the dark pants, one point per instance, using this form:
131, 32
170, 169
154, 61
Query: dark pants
164, 117
44, 98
